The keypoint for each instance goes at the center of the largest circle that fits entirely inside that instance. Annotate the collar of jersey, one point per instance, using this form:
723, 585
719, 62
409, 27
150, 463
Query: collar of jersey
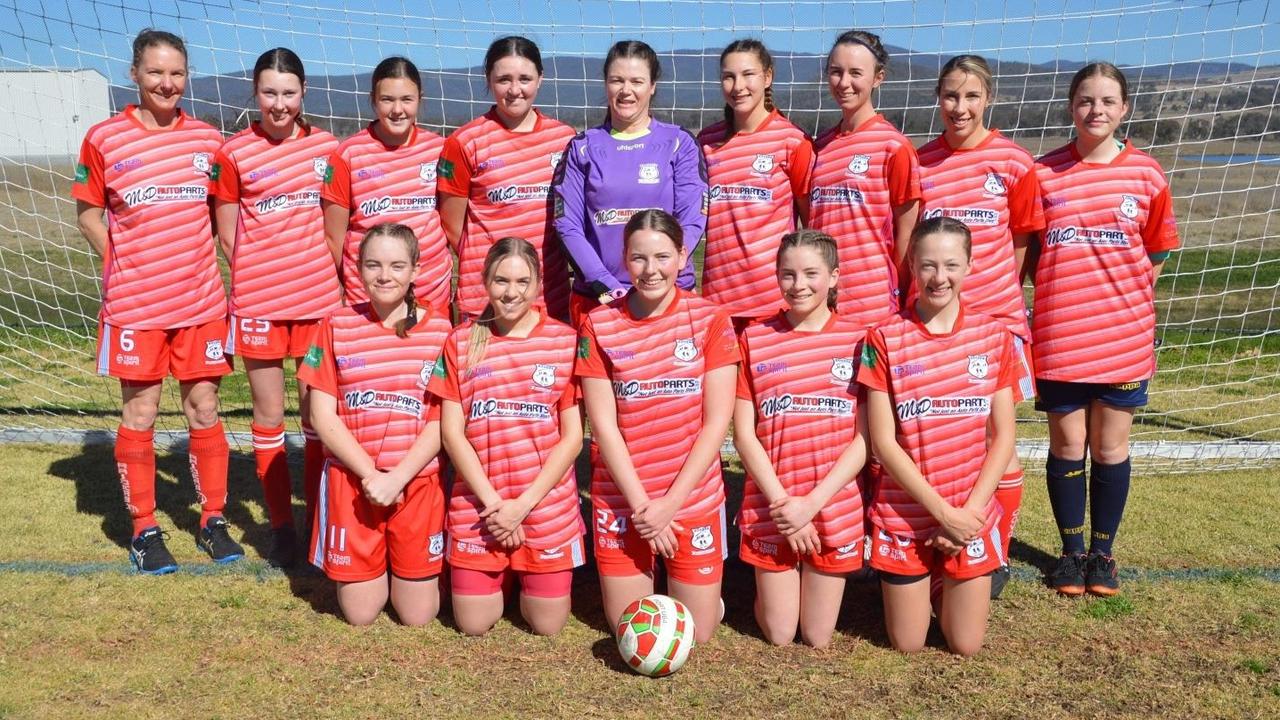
786, 322
992, 134
365, 309
681, 294
1075, 154
492, 114
915, 320
413, 137
131, 112
535, 332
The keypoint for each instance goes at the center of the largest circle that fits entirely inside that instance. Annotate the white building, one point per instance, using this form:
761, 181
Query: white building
46, 112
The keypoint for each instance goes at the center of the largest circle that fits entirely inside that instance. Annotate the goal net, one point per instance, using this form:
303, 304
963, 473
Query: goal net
1204, 77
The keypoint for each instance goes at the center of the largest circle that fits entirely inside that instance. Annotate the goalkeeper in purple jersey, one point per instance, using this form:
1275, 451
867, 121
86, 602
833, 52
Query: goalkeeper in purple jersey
630, 163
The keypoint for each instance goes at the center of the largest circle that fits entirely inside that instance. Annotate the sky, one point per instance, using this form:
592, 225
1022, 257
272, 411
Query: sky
346, 36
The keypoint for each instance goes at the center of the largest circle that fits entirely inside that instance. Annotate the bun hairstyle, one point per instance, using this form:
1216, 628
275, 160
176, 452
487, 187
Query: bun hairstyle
824, 244
395, 67
658, 221
940, 225
757, 48
868, 40
512, 46
406, 236
1099, 69
505, 248
151, 37
974, 65
284, 61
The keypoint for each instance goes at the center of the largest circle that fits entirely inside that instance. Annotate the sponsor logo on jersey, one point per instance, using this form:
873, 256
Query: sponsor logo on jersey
398, 403
285, 201
788, 404
740, 193
82, 173
263, 174
859, 164
660, 387
371, 173
544, 375
122, 166
490, 164
868, 356
994, 185
314, 355
427, 173
517, 194
773, 366
908, 369
328, 175
388, 205
614, 216
685, 350
974, 217
943, 407
842, 369
978, 367
762, 164
620, 354
439, 369
584, 347
202, 162
515, 409
463, 546
320, 166
1129, 207
628, 147
435, 546
348, 363
838, 195
213, 350
702, 539
161, 194
1072, 235
649, 174
128, 360
444, 168
764, 548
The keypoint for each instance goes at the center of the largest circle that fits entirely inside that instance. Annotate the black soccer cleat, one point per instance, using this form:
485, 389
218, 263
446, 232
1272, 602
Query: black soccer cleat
1067, 575
284, 547
1100, 576
149, 555
215, 540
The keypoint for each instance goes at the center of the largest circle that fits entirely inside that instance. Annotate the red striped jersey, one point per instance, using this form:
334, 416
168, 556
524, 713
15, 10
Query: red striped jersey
1094, 314
378, 184
380, 380
801, 384
941, 387
511, 399
858, 179
755, 178
281, 268
992, 189
657, 367
161, 269
506, 176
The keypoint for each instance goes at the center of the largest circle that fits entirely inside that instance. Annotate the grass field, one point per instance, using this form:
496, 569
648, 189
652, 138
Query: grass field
1196, 632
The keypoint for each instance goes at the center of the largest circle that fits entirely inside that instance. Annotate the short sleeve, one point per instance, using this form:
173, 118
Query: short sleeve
337, 182
318, 369
903, 176
433, 409
1026, 213
800, 169
453, 174
873, 369
444, 376
721, 345
1009, 364
569, 398
226, 177
590, 362
1160, 234
90, 184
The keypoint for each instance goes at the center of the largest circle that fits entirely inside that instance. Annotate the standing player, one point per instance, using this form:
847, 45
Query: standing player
495, 173
1110, 228
609, 173
163, 307
758, 165
267, 182
510, 421
866, 186
801, 435
381, 508
979, 177
658, 369
937, 375
387, 173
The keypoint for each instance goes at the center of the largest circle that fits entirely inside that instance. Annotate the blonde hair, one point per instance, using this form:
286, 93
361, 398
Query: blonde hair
481, 331
405, 235
824, 244
974, 65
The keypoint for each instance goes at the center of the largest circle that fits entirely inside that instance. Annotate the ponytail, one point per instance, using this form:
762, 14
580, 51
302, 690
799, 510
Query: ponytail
757, 48
405, 324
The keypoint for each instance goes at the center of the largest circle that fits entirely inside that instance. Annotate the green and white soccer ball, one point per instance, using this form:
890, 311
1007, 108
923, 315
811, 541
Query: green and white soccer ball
655, 635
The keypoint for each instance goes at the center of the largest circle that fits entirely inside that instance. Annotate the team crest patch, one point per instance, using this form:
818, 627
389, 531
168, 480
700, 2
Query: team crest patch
424, 373
555, 158
320, 166
994, 185
436, 545
978, 366
1129, 207
213, 350
859, 164
702, 538
685, 350
544, 375
427, 173
842, 369
762, 164
977, 549
649, 174
202, 162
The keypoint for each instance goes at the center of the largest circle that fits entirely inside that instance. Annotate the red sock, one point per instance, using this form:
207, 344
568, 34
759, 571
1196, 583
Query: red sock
273, 473
209, 454
136, 463
1009, 497
312, 466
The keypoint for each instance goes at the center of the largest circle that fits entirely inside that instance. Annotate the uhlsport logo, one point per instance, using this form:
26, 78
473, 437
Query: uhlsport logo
978, 367
763, 164
685, 350
859, 164
994, 185
1129, 207
842, 369
544, 375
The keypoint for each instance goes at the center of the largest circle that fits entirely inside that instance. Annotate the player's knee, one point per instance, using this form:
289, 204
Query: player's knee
778, 633
703, 632
202, 412
546, 625
965, 646
417, 616
360, 616
817, 638
1109, 452
139, 416
474, 624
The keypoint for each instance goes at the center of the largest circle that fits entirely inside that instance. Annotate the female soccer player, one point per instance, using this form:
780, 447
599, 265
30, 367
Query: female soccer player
163, 307
801, 435
758, 165
936, 375
609, 173
387, 173
658, 370
866, 186
1109, 229
495, 173
381, 508
979, 177
267, 182
510, 422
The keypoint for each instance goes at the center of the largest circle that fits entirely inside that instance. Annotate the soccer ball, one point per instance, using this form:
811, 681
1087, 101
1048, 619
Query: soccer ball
655, 635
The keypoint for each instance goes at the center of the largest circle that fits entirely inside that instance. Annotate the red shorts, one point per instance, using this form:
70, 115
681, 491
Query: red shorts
353, 539
912, 558
778, 556
187, 353
271, 339
700, 552
1026, 387
492, 557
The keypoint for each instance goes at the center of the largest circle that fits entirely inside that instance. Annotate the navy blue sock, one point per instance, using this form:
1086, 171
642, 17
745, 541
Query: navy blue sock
1108, 490
1066, 497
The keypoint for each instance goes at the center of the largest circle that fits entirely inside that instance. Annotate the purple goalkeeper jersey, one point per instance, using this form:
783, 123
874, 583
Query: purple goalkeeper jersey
602, 181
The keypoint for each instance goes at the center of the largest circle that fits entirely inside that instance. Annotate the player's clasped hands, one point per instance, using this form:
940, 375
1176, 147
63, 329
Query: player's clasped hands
794, 517
503, 519
384, 488
959, 526
654, 521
